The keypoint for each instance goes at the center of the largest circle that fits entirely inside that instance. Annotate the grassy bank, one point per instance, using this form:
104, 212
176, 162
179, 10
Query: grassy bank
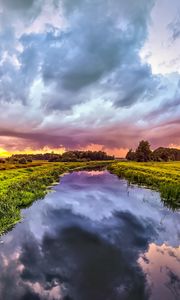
161, 176
9, 166
21, 185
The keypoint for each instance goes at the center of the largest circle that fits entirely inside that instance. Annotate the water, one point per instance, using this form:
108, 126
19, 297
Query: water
93, 238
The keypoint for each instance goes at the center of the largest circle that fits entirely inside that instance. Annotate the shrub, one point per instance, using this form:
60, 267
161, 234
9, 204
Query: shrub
22, 160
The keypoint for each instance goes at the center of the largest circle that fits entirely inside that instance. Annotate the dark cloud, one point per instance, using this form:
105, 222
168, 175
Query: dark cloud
119, 135
81, 60
25, 11
18, 4
77, 137
91, 264
48, 72
95, 47
134, 83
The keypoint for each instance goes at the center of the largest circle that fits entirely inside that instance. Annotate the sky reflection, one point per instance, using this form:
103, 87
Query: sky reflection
93, 237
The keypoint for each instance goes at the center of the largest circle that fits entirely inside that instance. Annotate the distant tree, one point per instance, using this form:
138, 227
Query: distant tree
131, 155
69, 156
29, 159
143, 152
66, 156
22, 160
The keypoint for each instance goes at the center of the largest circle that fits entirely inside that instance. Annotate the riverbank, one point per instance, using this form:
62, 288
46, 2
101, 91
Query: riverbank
20, 186
161, 176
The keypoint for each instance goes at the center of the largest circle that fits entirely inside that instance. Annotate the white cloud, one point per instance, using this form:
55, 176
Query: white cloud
160, 51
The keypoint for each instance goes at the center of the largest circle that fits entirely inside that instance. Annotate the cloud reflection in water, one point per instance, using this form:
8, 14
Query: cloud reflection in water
93, 237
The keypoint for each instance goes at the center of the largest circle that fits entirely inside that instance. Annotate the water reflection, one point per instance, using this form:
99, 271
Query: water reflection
93, 238
160, 263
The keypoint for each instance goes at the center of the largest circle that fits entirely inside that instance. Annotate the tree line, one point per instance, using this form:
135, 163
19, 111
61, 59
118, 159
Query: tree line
143, 153
69, 156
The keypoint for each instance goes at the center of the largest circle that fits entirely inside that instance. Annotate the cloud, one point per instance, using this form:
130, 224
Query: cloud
75, 62
79, 248
174, 28
24, 8
92, 244
71, 74
19, 4
90, 58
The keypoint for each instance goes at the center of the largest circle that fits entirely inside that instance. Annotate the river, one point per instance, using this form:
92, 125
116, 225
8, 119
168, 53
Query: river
93, 237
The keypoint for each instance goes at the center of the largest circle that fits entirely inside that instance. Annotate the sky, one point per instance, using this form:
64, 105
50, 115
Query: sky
89, 74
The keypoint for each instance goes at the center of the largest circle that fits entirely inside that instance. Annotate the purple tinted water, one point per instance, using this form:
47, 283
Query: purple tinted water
93, 237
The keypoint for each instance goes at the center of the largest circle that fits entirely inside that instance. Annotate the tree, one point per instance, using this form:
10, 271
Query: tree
166, 154
131, 155
22, 160
143, 152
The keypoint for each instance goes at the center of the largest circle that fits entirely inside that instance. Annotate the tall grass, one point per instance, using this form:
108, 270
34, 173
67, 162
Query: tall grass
161, 176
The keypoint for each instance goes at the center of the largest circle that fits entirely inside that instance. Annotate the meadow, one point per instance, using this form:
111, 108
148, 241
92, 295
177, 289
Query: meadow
161, 176
20, 185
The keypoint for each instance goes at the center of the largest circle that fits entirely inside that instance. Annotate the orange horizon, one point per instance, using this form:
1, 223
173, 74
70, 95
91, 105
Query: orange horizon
117, 152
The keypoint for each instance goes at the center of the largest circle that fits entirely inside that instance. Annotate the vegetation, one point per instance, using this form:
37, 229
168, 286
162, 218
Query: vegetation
162, 176
143, 153
25, 178
17, 165
71, 156
19, 187
166, 154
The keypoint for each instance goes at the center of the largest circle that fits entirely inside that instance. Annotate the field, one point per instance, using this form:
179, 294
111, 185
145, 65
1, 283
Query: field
161, 176
20, 185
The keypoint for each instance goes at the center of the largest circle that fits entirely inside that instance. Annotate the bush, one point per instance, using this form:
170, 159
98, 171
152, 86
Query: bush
23, 160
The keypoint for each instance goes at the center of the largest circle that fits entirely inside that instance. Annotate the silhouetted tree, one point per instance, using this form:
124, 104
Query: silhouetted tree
166, 154
143, 151
22, 160
66, 156
131, 155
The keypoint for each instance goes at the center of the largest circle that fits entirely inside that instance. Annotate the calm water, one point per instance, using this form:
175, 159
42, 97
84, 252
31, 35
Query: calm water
93, 238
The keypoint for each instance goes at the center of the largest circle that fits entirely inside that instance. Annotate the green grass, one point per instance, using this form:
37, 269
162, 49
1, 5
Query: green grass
161, 176
21, 185
8, 166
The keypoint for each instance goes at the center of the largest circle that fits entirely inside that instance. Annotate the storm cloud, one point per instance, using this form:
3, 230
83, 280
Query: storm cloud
70, 71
